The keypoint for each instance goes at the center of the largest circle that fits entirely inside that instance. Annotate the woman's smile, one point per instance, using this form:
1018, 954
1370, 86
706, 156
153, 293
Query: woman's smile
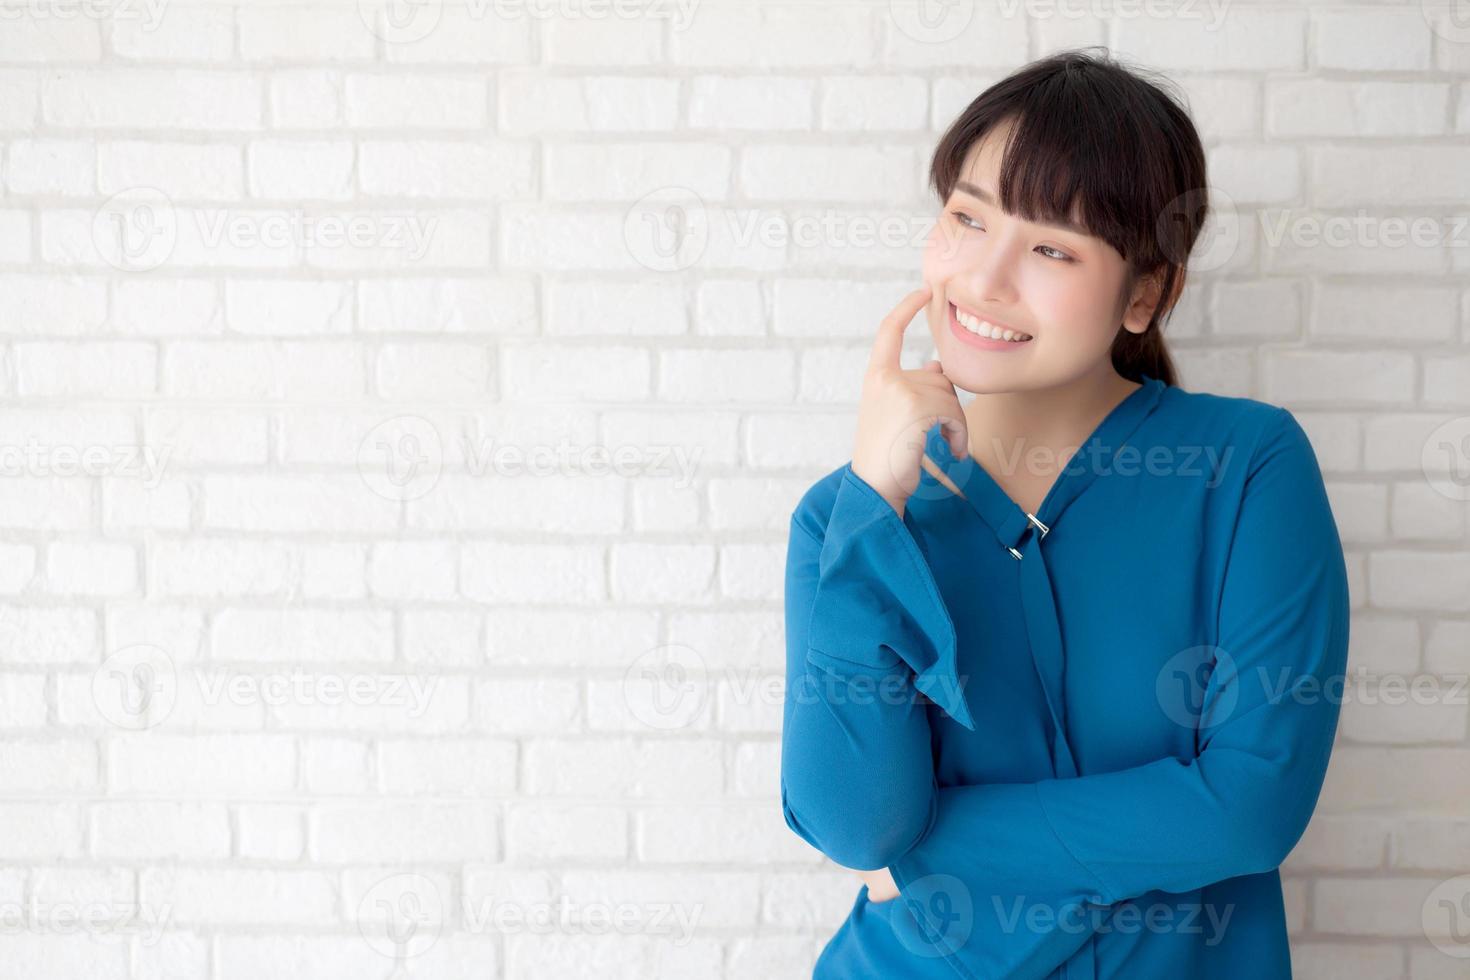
968, 336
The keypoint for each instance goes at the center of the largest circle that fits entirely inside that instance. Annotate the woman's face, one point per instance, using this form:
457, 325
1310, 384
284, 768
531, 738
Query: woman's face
1061, 286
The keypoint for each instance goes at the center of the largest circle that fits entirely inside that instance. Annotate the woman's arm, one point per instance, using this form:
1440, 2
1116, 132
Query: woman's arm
865, 627
1238, 807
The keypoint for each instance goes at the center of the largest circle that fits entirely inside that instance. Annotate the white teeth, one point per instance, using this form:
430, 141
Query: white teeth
983, 329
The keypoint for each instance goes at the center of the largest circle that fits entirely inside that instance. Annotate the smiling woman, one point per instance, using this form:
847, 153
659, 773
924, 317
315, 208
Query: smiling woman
1032, 704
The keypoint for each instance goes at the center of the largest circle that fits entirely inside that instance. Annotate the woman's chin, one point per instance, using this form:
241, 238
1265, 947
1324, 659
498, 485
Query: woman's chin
967, 372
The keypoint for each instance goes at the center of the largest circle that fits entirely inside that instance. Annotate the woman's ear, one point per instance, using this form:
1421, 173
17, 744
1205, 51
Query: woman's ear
1145, 299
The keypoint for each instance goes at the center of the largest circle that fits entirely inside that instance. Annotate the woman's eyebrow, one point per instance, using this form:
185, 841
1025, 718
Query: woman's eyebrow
982, 194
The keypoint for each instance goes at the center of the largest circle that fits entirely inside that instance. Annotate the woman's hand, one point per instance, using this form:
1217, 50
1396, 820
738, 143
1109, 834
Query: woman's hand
898, 408
881, 886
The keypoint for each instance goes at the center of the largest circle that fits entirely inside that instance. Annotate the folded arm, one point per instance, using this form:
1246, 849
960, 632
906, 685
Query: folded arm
1267, 722
866, 630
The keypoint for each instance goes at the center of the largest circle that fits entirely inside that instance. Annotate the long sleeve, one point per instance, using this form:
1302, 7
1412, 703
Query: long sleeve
866, 629
1268, 717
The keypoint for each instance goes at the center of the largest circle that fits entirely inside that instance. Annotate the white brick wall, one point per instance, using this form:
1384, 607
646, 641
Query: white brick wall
395, 407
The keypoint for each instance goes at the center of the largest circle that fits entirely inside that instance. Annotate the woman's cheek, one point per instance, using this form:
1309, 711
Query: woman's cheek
930, 263
944, 255
1069, 306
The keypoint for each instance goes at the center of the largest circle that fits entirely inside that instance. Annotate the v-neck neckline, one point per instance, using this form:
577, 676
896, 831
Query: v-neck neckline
1006, 517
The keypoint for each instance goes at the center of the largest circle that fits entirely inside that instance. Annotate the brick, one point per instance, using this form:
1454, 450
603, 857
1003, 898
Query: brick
291, 170
1372, 40
765, 104
662, 573
92, 568
302, 635
49, 636
50, 768
183, 171
160, 830
51, 167
566, 833
271, 832
434, 169
864, 104
704, 835
458, 767
152, 98
390, 101
239, 896
1323, 108
435, 371
50, 39
119, 369
51, 305
306, 98
201, 765
285, 34
1268, 39
533, 104
404, 831
287, 307
203, 34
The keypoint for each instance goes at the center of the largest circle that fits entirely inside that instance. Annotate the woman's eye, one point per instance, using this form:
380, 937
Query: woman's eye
965, 219
1051, 253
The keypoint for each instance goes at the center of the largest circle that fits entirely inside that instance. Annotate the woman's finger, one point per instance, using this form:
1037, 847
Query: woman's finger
889, 342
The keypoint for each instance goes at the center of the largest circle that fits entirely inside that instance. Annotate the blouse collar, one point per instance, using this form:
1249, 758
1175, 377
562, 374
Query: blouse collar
1004, 516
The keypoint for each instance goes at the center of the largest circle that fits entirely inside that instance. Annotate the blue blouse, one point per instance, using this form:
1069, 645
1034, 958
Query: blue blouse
1082, 740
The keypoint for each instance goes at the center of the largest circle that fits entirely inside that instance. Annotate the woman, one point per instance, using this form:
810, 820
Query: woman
1058, 660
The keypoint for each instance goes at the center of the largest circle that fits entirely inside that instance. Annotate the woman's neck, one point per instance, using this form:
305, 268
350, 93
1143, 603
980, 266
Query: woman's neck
1022, 436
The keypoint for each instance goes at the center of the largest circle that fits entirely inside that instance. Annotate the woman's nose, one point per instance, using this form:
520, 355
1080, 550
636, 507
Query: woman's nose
990, 275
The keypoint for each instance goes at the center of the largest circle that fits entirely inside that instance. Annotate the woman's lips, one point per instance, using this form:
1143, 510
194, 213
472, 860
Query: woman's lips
983, 343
